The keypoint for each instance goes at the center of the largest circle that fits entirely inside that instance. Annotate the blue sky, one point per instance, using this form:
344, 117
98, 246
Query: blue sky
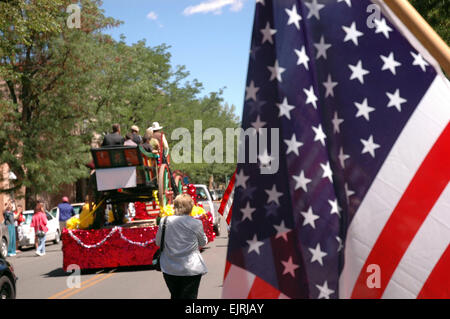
210, 37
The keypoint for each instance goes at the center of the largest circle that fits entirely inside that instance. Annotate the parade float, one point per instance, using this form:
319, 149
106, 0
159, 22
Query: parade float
103, 235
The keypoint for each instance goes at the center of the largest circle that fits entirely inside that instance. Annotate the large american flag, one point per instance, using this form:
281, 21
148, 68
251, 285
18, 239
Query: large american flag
360, 204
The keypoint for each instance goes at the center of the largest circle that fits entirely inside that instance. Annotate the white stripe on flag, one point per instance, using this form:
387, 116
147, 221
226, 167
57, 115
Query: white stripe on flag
226, 211
424, 252
237, 284
406, 156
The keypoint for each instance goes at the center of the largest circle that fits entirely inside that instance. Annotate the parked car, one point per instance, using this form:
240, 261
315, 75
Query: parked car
7, 279
4, 239
26, 236
205, 198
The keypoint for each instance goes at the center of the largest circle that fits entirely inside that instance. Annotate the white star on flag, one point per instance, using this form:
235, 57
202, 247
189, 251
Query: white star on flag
265, 159
293, 145
419, 60
285, 109
364, 109
241, 179
369, 146
302, 57
282, 231
339, 240
320, 135
258, 124
396, 100
336, 123
254, 245
322, 48
314, 9
247, 212
302, 181
325, 292
327, 173
334, 207
343, 157
329, 86
348, 2
348, 191
382, 27
251, 91
352, 34
276, 71
268, 33
390, 63
274, 195
358, 72
311, 97
294, 17
289, 267
317, 254
310, 218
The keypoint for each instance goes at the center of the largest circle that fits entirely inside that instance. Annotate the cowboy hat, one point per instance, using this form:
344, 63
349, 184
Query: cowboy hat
156, 126
135, 128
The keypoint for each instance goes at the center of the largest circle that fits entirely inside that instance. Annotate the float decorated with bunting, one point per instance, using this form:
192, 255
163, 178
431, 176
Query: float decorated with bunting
104, 235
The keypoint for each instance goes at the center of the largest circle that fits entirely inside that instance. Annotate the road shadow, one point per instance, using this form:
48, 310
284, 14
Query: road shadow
59, 272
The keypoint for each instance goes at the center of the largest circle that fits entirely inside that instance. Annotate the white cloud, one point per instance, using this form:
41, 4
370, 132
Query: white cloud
152, 15
214, 6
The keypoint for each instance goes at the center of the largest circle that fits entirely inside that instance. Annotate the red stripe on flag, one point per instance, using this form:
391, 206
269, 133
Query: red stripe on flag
227, 269
438, 283
227, 193
411, 211
229, 215
263, 290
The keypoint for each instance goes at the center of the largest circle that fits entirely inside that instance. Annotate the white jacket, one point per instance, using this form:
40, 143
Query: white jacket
183, 237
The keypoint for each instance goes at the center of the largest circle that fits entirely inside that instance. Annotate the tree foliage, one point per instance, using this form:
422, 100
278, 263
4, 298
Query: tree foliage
437, 14
62, 85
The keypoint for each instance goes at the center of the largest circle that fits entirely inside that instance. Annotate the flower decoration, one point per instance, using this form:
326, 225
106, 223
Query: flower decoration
86, 217
109, 248
73, 223
197, 211
191, 190
166, 211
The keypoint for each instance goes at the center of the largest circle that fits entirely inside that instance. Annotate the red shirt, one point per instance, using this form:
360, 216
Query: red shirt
39, 222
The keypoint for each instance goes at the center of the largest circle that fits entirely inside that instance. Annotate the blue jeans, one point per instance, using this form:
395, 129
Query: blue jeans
12, 239
41, 245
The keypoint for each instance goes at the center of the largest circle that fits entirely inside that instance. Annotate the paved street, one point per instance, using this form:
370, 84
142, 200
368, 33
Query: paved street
43, 277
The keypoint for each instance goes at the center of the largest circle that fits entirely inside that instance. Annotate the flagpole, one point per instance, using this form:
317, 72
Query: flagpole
422, 31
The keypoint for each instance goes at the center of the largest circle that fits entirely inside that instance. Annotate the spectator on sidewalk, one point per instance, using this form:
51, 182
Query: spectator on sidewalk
39, 223
18, 216
66, 212
8, 216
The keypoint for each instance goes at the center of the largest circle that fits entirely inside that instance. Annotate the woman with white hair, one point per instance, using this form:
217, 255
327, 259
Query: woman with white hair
182, 264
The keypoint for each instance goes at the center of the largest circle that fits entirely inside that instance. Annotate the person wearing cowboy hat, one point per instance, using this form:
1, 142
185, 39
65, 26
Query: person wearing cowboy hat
159, 135
135, 135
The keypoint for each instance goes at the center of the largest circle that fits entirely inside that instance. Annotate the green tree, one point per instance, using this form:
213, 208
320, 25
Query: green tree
46, 67
437, 14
